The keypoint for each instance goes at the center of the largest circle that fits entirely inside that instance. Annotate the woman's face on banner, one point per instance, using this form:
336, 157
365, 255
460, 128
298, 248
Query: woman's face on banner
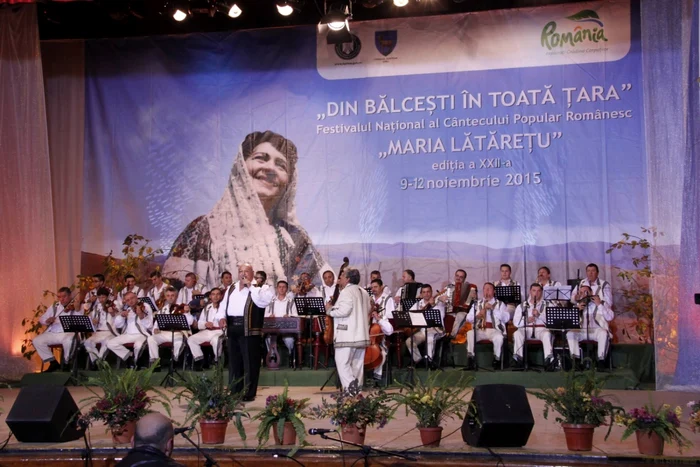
269, 171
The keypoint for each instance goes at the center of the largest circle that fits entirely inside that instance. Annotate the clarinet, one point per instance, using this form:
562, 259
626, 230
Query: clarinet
534, 310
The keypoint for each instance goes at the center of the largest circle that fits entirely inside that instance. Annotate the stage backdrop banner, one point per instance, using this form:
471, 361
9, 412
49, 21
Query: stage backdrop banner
436, 143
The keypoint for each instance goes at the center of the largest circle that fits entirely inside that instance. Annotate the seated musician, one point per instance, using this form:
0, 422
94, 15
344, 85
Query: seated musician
102, 313
282, 306
97, 282
378, 275
530, 318
489, 316
408, 277
328, 287
136, 322
429, 335
506, 280
191, 288
211, 324
54, 335
157, 291
600, 288
544, 278
159, 337
467, 293
594, 325
304, 288
131, 286
226, 280
382, 312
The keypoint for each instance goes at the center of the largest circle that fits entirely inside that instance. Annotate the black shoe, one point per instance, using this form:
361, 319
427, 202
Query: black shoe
470, 364
601, 365
517, 363
549, 364
197, 366
432, 365
157, 369
578, 366
248, 398
496, 364
53, 366
587, 364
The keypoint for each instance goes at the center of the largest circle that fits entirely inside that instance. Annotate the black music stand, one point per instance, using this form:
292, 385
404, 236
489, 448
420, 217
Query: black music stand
508, 294
311, 307
75, 324
173, 323
562, 319
149, 302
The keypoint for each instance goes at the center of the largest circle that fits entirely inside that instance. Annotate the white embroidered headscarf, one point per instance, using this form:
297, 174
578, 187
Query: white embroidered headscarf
237, 230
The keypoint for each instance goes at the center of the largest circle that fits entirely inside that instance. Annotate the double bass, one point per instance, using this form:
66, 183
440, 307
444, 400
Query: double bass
328, 332
373, 353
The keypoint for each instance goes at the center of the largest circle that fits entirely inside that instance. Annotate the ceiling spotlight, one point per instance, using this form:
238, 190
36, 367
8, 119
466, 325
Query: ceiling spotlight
336, 20
284, 9
235, 11
400, 3
179, 15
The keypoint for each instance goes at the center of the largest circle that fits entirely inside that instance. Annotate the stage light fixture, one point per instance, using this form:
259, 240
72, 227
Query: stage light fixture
179, 15
284, 8
400, 3
336, 21
235, 11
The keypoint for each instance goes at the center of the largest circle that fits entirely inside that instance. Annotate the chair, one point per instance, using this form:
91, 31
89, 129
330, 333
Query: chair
169, 345
58, 347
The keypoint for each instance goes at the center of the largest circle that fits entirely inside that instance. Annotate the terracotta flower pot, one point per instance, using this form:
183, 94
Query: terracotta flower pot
353, 433
289, 436
649, 443
430, 436
579, 437
124, 435
213, 431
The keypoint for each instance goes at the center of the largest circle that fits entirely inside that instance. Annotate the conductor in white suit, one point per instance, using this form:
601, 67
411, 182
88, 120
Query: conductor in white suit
351, 328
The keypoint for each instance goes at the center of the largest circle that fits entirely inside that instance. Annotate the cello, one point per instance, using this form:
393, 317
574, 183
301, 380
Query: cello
328, 332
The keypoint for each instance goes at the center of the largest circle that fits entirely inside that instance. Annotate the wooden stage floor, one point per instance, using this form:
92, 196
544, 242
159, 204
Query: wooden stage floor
546, 445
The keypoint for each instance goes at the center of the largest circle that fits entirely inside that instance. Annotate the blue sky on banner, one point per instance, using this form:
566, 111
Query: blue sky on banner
166, 117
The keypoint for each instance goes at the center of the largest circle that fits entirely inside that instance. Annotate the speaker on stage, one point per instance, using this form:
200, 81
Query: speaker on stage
505, 416
44, 414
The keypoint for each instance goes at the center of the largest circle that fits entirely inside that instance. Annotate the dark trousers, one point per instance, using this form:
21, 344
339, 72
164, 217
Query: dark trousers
244, 357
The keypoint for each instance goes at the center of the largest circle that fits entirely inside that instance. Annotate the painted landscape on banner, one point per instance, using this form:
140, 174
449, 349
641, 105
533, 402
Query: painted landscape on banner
436, 143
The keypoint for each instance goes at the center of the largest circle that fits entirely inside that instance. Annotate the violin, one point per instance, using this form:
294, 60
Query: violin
328, 332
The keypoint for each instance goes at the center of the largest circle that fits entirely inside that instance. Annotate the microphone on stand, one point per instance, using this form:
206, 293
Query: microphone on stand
320, 431
181, 430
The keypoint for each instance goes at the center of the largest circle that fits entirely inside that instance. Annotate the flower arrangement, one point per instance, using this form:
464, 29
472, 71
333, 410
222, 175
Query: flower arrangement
124, 396
351, 408
661, 420
580, 401
209, 399
694, 419
432, 403
278, 410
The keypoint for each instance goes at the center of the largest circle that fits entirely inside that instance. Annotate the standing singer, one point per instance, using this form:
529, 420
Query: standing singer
245, 303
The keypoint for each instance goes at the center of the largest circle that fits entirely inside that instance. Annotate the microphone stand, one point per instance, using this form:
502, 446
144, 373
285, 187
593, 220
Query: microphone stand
210, 462
367, 450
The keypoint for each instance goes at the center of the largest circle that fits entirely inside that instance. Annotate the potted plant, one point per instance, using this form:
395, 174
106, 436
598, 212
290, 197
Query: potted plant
432, 403
581, 408
353, 412
653, 427
694, 420
210, 402
124, 399
283, 416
